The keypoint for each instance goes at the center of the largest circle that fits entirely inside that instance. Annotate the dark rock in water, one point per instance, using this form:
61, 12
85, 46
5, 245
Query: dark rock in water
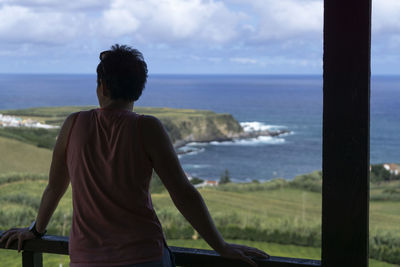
255, 134
182, 152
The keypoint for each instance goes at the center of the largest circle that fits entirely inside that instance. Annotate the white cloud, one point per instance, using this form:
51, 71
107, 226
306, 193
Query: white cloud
172, 20
22, 24
243, 33
119, 22
385, 16
177, 21
58, 5
288, 18
285, 19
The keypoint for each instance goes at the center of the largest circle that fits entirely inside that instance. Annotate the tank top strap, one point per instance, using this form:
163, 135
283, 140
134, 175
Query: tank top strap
140, 134
69, 136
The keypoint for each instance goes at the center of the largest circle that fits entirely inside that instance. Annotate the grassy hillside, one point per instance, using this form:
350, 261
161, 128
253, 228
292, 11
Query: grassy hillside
22, 157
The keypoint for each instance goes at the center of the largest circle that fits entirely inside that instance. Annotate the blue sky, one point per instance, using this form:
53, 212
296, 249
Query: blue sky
182, 36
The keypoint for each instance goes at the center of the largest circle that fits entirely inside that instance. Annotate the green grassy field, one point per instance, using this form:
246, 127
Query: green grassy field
22, 157
280, 250
280, 217
282, 209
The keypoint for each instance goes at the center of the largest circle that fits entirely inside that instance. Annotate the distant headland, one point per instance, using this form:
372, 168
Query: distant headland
183, 125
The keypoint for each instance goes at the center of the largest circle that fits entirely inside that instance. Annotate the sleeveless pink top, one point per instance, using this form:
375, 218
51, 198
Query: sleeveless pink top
113, 221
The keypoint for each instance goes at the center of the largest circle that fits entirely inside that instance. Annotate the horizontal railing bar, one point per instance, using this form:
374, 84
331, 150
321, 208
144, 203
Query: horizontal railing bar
188, 256
183, 256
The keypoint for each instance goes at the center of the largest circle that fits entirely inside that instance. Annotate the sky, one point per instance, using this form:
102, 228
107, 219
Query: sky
182, 36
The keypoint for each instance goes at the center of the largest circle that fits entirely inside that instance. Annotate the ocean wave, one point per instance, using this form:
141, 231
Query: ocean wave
287, 134
194, 148
196, 166
255, 126
190, 149
196, 144
261, 140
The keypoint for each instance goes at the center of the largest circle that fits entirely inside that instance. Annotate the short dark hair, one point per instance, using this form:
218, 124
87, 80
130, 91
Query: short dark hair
123, 71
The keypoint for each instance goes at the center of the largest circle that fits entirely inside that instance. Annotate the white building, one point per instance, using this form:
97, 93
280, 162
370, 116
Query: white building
12, 121
207, 183
392, 168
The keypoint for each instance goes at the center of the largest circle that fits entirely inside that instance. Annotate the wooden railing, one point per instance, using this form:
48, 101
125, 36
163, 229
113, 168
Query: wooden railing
33, 249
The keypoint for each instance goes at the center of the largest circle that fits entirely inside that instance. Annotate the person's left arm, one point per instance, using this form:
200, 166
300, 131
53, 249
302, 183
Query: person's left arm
57, 185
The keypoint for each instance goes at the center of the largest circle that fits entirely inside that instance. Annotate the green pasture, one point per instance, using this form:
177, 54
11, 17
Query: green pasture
274, 249
257, 209
279, 214
22, 157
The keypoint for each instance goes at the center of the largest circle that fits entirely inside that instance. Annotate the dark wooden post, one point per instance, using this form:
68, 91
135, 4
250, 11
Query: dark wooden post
32, 259
345, 205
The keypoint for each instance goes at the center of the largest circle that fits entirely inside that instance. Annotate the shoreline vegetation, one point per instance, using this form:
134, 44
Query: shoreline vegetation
279, 211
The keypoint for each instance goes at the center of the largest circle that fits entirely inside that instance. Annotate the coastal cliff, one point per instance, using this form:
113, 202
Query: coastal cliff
202, 126
191, 125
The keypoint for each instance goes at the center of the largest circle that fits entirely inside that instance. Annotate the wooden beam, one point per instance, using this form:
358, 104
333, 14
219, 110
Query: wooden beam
345, 204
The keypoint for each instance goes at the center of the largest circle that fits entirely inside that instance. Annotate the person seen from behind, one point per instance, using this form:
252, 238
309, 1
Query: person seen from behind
108, 154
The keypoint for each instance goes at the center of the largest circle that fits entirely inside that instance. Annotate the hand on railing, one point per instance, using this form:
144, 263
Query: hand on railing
241, 252
20, 234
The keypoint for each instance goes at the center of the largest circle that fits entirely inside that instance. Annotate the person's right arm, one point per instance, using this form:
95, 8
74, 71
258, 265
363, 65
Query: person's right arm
185, 196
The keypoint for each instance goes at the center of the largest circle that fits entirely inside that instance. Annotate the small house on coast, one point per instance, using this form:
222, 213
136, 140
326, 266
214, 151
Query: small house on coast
392, 168
207, 183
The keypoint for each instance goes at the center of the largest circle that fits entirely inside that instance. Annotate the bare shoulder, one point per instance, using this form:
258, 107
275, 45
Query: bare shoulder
155, 137
69, 121
160, 150
151, 122
71, 117
65, 128
151, 127
62, 138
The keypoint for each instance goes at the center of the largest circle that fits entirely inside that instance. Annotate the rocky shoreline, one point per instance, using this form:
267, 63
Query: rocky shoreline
243, 135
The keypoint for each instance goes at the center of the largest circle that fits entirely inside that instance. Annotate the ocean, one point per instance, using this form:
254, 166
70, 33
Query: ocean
289, 102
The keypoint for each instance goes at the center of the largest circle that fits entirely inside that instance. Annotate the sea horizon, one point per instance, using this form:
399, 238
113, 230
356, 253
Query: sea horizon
198, 74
